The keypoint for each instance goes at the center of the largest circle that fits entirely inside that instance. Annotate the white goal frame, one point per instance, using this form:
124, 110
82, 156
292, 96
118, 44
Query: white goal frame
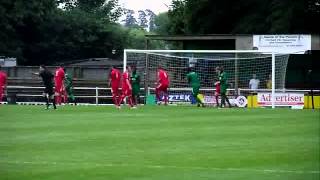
273, 55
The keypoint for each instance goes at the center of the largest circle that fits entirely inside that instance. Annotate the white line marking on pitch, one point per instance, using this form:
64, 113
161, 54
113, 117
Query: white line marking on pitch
165, 167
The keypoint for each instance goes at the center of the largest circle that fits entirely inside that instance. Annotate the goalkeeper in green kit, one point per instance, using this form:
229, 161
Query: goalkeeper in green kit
69, 87
223, 77
135, 82
193, 80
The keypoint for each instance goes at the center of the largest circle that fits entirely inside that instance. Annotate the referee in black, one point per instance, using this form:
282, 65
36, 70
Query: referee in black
47, 79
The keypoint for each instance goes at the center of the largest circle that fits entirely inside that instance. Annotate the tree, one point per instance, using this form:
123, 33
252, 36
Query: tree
108, 10
136, 38
152, 17
176, 16
243, 16
162, 24
130, 20
20, 26
38, 32
143, 22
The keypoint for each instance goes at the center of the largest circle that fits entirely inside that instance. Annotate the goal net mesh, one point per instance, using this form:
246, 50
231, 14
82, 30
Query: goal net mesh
240, 68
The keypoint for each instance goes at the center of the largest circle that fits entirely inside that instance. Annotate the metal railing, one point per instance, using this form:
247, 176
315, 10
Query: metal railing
96, 92
241, 90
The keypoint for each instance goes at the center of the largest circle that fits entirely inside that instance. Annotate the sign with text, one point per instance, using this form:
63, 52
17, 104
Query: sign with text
179, 98
239, 101
292, 44
184, 98
281, 99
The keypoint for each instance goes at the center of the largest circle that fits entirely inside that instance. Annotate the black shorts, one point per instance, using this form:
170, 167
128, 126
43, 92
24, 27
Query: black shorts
49, 90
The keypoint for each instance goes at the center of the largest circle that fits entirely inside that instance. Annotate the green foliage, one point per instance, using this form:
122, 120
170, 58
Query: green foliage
143, 21
130, 20
20, 25
136, 38
243, 16
102, 9
152, 17
49, 31
162, 24
176, 15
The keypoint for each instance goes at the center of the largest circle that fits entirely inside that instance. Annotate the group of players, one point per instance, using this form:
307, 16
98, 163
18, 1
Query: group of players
130, 86
221, 86
3, 83
59, 88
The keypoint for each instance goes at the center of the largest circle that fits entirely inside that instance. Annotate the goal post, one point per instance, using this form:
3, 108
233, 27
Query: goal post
240, 65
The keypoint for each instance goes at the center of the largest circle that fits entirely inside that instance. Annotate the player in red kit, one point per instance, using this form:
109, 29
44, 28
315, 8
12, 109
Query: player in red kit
3, 83
59, 84
217, 92
163, 84
217, 86
114, 83
126, 87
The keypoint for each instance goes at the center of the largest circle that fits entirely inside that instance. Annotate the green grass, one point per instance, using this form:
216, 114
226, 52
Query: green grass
161, 143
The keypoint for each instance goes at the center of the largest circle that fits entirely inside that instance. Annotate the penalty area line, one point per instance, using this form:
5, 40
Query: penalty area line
163, 167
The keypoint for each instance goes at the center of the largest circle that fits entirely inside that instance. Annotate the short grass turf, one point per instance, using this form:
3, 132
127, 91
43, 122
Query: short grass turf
160, 143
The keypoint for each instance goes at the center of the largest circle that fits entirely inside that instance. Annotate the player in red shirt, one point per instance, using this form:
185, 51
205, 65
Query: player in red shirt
163, 84
114, 83
217, 92
3, 83
126, 87
217, 85
59, 84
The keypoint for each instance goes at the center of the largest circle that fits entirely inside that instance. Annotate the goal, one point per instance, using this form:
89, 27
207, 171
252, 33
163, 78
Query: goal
241, 67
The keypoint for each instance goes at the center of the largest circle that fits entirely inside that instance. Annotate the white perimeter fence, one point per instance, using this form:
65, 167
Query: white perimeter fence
102, 96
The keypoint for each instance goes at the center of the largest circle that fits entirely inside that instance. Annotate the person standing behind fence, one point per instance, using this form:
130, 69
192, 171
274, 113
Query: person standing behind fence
69, 87
3, 84
269, 82
135, 81
114, 83
223, 78
254, 83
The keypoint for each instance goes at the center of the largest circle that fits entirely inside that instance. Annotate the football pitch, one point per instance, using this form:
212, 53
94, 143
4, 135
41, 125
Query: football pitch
160, 143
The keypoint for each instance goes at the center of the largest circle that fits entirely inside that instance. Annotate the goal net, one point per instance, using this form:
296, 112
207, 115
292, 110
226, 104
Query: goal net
241, 67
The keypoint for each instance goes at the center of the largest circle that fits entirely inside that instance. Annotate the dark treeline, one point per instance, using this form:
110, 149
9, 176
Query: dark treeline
49, 31
241, 17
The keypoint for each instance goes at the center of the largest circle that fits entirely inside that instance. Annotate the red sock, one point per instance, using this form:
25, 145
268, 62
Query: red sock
130, 101
121, 99
115, 100
166, 99
1, 96
158, 95
58, 99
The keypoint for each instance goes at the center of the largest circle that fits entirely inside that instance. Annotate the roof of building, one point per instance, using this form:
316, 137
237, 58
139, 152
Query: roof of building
95, 62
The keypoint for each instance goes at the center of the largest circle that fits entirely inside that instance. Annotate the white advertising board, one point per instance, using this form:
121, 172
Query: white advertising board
281, 99
291, 44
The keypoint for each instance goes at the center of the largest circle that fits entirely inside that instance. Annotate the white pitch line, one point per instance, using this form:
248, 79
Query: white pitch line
166, 167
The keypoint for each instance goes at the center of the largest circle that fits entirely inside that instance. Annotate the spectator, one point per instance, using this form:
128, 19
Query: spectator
254, 82
269, 82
